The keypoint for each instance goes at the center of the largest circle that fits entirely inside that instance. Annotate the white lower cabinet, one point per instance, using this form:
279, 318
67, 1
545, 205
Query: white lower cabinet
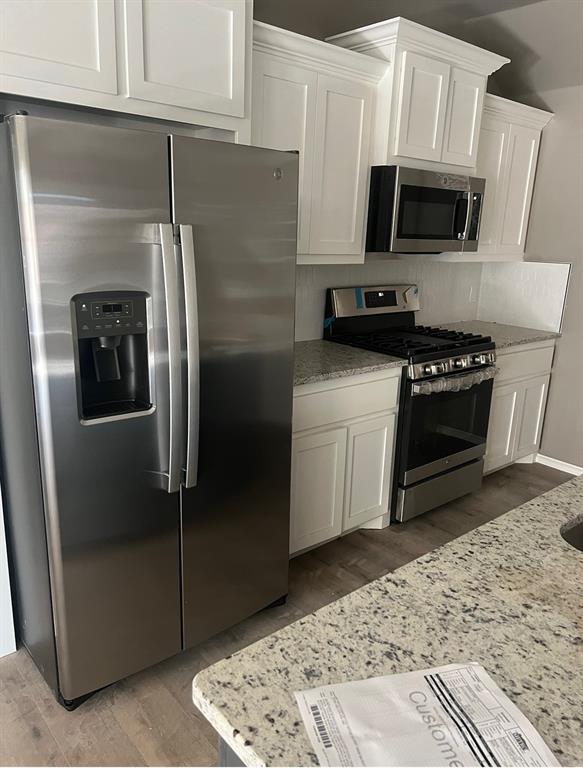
369, 466
534, 398
317, 498
342, 455
518, 405
502, 426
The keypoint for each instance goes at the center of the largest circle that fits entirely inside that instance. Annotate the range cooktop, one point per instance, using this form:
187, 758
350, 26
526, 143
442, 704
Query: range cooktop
382, 319
418, 343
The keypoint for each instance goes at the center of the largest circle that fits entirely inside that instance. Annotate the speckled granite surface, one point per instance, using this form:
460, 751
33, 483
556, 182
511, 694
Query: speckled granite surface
503, 335
508, 595
319, 360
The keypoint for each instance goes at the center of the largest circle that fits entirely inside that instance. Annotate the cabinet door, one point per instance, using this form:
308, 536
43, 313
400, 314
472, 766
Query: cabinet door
317, 487
341, 146
491, 165
187, 54
283, 117
532, 416
59, 42
504, 418
369, 467
464, 115
523, 146
422, 107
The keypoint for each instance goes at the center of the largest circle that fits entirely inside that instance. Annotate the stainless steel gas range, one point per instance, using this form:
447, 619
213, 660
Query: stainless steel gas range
445, 394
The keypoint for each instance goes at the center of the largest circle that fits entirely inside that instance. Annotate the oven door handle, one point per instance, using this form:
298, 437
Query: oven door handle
453, 383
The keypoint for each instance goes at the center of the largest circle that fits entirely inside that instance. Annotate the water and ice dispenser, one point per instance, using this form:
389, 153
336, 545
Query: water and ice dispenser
111, 332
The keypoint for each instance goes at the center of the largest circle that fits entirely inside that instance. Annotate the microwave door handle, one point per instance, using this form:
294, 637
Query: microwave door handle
170, 274
456, 232
192, 355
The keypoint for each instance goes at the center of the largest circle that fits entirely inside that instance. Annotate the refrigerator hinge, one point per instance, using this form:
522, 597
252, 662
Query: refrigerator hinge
176, 233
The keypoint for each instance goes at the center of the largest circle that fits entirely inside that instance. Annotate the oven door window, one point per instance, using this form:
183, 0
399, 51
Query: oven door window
445, 424
428, 213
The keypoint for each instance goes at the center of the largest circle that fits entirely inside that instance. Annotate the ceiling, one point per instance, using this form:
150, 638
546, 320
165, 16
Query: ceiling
321, 18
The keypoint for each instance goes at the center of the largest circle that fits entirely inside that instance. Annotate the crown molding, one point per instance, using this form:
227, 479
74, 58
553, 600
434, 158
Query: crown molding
410, 36
514, 112
316, 54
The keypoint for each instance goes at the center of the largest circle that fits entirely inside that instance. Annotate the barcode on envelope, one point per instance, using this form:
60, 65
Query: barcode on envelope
320, 726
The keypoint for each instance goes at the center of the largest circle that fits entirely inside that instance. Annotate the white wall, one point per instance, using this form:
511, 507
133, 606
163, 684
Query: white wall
448, 290
7, 641
524, 293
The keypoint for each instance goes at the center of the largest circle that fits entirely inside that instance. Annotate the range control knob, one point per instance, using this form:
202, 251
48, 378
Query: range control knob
476, 359
427, 370
458, 363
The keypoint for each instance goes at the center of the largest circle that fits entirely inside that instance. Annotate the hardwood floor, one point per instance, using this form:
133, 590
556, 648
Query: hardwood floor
148, 719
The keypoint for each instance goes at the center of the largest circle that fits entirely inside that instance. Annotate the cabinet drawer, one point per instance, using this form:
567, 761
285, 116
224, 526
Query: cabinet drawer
523, 364
343, 400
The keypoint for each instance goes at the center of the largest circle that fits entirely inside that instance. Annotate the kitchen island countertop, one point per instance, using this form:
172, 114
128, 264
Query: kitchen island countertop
508, 595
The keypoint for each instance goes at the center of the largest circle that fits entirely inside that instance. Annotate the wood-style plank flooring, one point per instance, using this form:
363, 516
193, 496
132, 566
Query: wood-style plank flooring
148, 719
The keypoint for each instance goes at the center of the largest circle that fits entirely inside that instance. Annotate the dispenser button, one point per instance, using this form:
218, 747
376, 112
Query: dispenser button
85, 327
140, 324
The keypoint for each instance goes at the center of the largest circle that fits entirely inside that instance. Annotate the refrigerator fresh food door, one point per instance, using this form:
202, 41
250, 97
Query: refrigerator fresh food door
241, 203
104, 331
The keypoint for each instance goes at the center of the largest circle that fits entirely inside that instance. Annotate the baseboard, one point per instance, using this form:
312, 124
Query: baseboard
564, 466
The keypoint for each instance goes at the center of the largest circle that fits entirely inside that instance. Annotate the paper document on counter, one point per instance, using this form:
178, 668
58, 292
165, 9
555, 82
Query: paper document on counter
453, 715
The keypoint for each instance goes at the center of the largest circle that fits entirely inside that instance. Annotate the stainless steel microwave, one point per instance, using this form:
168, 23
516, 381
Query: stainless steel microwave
416, 211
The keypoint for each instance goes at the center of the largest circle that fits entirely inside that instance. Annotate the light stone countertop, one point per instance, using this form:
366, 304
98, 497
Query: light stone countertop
319, 360
508, 595
503, 335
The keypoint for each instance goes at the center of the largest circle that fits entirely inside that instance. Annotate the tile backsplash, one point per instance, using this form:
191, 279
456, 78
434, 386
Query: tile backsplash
448, 291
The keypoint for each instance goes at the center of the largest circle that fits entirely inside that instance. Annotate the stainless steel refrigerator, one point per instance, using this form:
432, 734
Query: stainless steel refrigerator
147, 321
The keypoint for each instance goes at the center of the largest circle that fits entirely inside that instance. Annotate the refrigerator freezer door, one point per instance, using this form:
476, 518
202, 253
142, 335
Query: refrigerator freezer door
242, 205
90, 201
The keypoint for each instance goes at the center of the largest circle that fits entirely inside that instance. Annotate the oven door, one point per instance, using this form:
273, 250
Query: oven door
444, 429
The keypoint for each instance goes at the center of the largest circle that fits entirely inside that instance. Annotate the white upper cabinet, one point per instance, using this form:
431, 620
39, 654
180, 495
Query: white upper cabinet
464, 114
507, 158
422, 104
284, 117
179, 60
491, 165
189, 53
318, 99
430, 103
523, 144
342, 139
60, 43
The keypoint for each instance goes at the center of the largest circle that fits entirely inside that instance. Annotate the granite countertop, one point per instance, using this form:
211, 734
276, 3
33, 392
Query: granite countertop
504, 335
319, 360
508, 595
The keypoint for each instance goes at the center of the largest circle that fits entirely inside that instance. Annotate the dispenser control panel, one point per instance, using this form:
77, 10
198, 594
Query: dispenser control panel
110, 313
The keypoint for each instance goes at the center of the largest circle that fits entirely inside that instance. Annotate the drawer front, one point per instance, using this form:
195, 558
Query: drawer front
518, 365
344, 402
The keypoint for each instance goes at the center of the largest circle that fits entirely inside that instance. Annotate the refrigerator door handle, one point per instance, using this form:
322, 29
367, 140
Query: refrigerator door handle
174, 372
192, 354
